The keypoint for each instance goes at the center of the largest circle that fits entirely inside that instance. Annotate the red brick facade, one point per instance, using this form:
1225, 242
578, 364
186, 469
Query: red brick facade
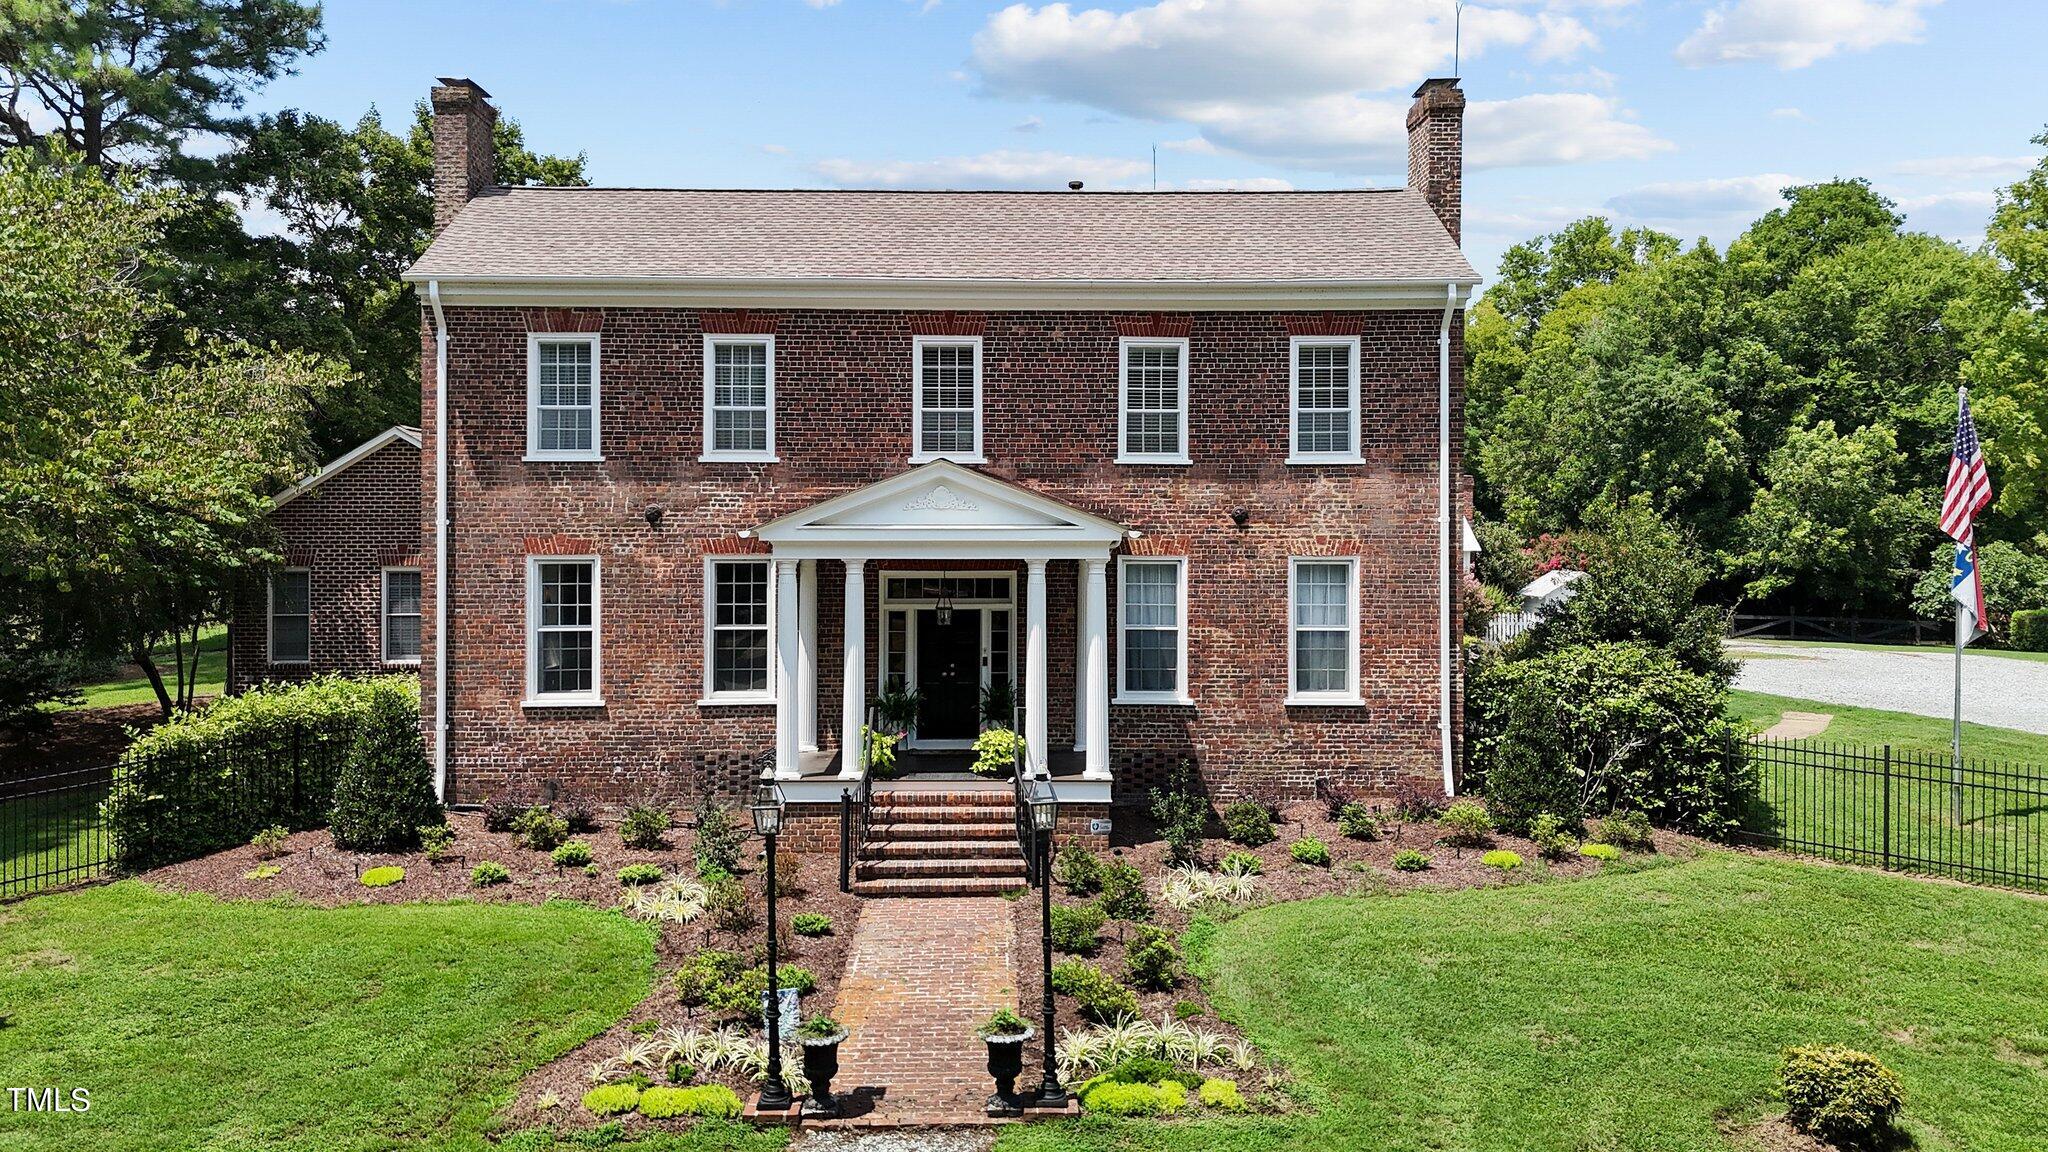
344, 531
843, 420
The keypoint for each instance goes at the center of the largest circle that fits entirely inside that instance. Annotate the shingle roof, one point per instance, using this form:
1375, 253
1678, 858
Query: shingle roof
1384, 236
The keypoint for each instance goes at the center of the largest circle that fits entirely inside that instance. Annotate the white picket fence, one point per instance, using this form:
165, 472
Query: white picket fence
1507, 626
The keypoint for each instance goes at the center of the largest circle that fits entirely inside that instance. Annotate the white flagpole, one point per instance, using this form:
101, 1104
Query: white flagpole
1966, 623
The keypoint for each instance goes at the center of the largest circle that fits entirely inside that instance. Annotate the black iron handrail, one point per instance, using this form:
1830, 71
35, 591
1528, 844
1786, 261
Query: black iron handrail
1020, 767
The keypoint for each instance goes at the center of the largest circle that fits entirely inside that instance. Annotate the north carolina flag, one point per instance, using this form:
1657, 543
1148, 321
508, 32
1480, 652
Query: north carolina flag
1968, 492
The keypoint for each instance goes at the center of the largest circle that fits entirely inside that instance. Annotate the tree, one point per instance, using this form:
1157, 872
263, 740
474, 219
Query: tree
1818, 220
131, 81
1536, 274
2008, 369
1643, 583
2013, 577
1839, 520
385, 793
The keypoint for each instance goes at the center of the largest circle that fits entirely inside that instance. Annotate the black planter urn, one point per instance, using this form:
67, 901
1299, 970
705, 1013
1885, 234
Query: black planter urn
821, 1064
1005, 1064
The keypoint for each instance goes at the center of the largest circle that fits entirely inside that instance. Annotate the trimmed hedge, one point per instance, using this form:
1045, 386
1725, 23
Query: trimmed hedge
2028, 631
212, 780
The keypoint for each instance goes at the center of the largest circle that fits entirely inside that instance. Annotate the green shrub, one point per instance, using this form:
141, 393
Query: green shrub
811, 924
1502, 859
662, 1102
383, 877
540, 829
1142, 1070
1249, 822
204, 781
1077, 870
639, 875
263, 872
574, 854
1465, 824
704, 973
435, 840
1409, 860
386, 789
1123, 893
720, 839
1607, 726
1187, 1010
1003, 1022
1182, 815
1074, 927
1095, 992
1309, 850
2028, 631
1152, 962
1358, 822
500, 812
732, 910
488, 873
1117, 1098
996, 751
644, 826
740, 997
1553, 840
611, 1099
1630, 830
1600, 852
269, 843
1839, 1094
1241, 864
1220, 1094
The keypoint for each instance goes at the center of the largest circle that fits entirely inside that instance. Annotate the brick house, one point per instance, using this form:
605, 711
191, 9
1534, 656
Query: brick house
720, 468
348, 597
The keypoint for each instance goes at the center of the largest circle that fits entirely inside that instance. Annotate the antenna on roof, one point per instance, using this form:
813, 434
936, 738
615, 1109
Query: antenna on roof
1155, 167
1457, 35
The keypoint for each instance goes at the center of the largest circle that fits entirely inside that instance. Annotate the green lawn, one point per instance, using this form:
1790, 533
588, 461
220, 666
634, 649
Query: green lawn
1975, 650
40, 834
1627, 1012
1924, 734
213, 674
197, 1023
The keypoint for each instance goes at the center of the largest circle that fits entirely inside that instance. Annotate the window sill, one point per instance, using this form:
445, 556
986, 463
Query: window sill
564, 458
276, 663
414, 662
1166, 698
562, 702
752, 698
1168, 460
953, 457
1326, 458
1293, 701
739, 458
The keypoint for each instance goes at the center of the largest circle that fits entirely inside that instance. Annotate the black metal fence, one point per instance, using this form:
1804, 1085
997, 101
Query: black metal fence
1977, 821
1854, 629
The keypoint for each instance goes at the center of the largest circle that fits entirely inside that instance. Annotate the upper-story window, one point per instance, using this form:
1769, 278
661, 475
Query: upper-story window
1324, 428
562, 382
739, 398
562, 652
1152, 425
1322, 626
946, 413
291, 616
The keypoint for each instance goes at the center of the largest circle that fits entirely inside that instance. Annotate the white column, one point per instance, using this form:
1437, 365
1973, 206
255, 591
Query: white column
807, 655
1080, 657
1034, 664
786, 659
853, 694
1096, 764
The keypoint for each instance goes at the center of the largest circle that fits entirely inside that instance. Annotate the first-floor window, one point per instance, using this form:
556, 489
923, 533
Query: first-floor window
1152, 629
738, 641
291, 616
401, 615
563, 611
1323, 612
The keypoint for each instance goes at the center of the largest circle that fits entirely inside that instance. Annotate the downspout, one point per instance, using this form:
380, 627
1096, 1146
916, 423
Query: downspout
1443, 520
440, 542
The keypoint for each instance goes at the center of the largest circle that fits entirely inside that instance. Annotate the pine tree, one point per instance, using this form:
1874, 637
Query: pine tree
386, 791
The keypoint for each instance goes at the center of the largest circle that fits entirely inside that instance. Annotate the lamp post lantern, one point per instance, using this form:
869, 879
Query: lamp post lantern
767, 813
1045, 817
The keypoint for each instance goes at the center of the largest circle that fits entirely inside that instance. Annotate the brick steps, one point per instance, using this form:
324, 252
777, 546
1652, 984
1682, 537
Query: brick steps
990, 848
933, 843
955, 886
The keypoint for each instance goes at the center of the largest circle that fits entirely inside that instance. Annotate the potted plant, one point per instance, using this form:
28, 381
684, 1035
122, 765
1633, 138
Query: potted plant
897, 708
1005, 1033
995, 753
998, 705
820, 1037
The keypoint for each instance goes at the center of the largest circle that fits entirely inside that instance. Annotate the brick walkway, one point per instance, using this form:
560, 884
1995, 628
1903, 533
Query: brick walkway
923, 974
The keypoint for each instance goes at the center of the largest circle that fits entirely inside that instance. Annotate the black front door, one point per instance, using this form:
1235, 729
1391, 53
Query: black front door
949, 674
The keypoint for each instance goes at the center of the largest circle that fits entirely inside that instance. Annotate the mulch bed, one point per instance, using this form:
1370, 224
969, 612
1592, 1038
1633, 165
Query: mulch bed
75, 737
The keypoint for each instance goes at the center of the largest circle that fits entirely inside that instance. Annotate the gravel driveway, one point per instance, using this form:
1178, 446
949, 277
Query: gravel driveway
1999, 691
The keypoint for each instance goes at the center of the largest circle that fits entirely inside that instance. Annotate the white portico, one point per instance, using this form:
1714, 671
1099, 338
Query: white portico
928, 516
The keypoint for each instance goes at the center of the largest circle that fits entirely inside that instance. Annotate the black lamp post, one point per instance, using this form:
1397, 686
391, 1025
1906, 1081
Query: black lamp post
767, 812
1045, 817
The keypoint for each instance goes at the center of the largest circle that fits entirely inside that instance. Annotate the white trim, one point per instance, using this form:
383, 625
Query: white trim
1074, 535
751, 455
270, 617
1123, 399
341, 464
710, 613
917, 346
1350, 696
1180, 676
440, 543
1294, 453
384, 616
533, 342
535, 698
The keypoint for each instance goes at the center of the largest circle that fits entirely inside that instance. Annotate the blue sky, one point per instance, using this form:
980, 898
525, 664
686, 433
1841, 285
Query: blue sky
1684, 115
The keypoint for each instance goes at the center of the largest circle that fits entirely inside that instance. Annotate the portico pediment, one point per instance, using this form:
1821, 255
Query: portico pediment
942, 509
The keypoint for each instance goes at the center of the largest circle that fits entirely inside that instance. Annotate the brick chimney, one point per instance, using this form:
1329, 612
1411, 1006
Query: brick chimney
1436, 149
465, 157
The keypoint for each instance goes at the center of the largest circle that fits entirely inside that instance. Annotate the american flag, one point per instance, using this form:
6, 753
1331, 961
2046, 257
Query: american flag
1968, 493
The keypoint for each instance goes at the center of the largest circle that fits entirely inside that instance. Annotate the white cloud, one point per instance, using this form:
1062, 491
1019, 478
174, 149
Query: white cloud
1998, 168
1790, 114
775, 149
1687, 201
1238, 184
821, 3
1001, 169
1554, 128
1561, 38
1591, 76
1796, 33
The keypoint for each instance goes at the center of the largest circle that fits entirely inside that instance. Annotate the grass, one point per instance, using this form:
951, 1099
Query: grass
1903, 730
213, 674
200, 1023
60, 831
1634, 1011
1792, 646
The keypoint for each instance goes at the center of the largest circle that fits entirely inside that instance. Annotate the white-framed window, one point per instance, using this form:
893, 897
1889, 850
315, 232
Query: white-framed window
1323, 428
401, 612
290, 608
739, 398
739, 630
563, 655
1152, 630
945, 399
1322, 630
563, 382
1152, 401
